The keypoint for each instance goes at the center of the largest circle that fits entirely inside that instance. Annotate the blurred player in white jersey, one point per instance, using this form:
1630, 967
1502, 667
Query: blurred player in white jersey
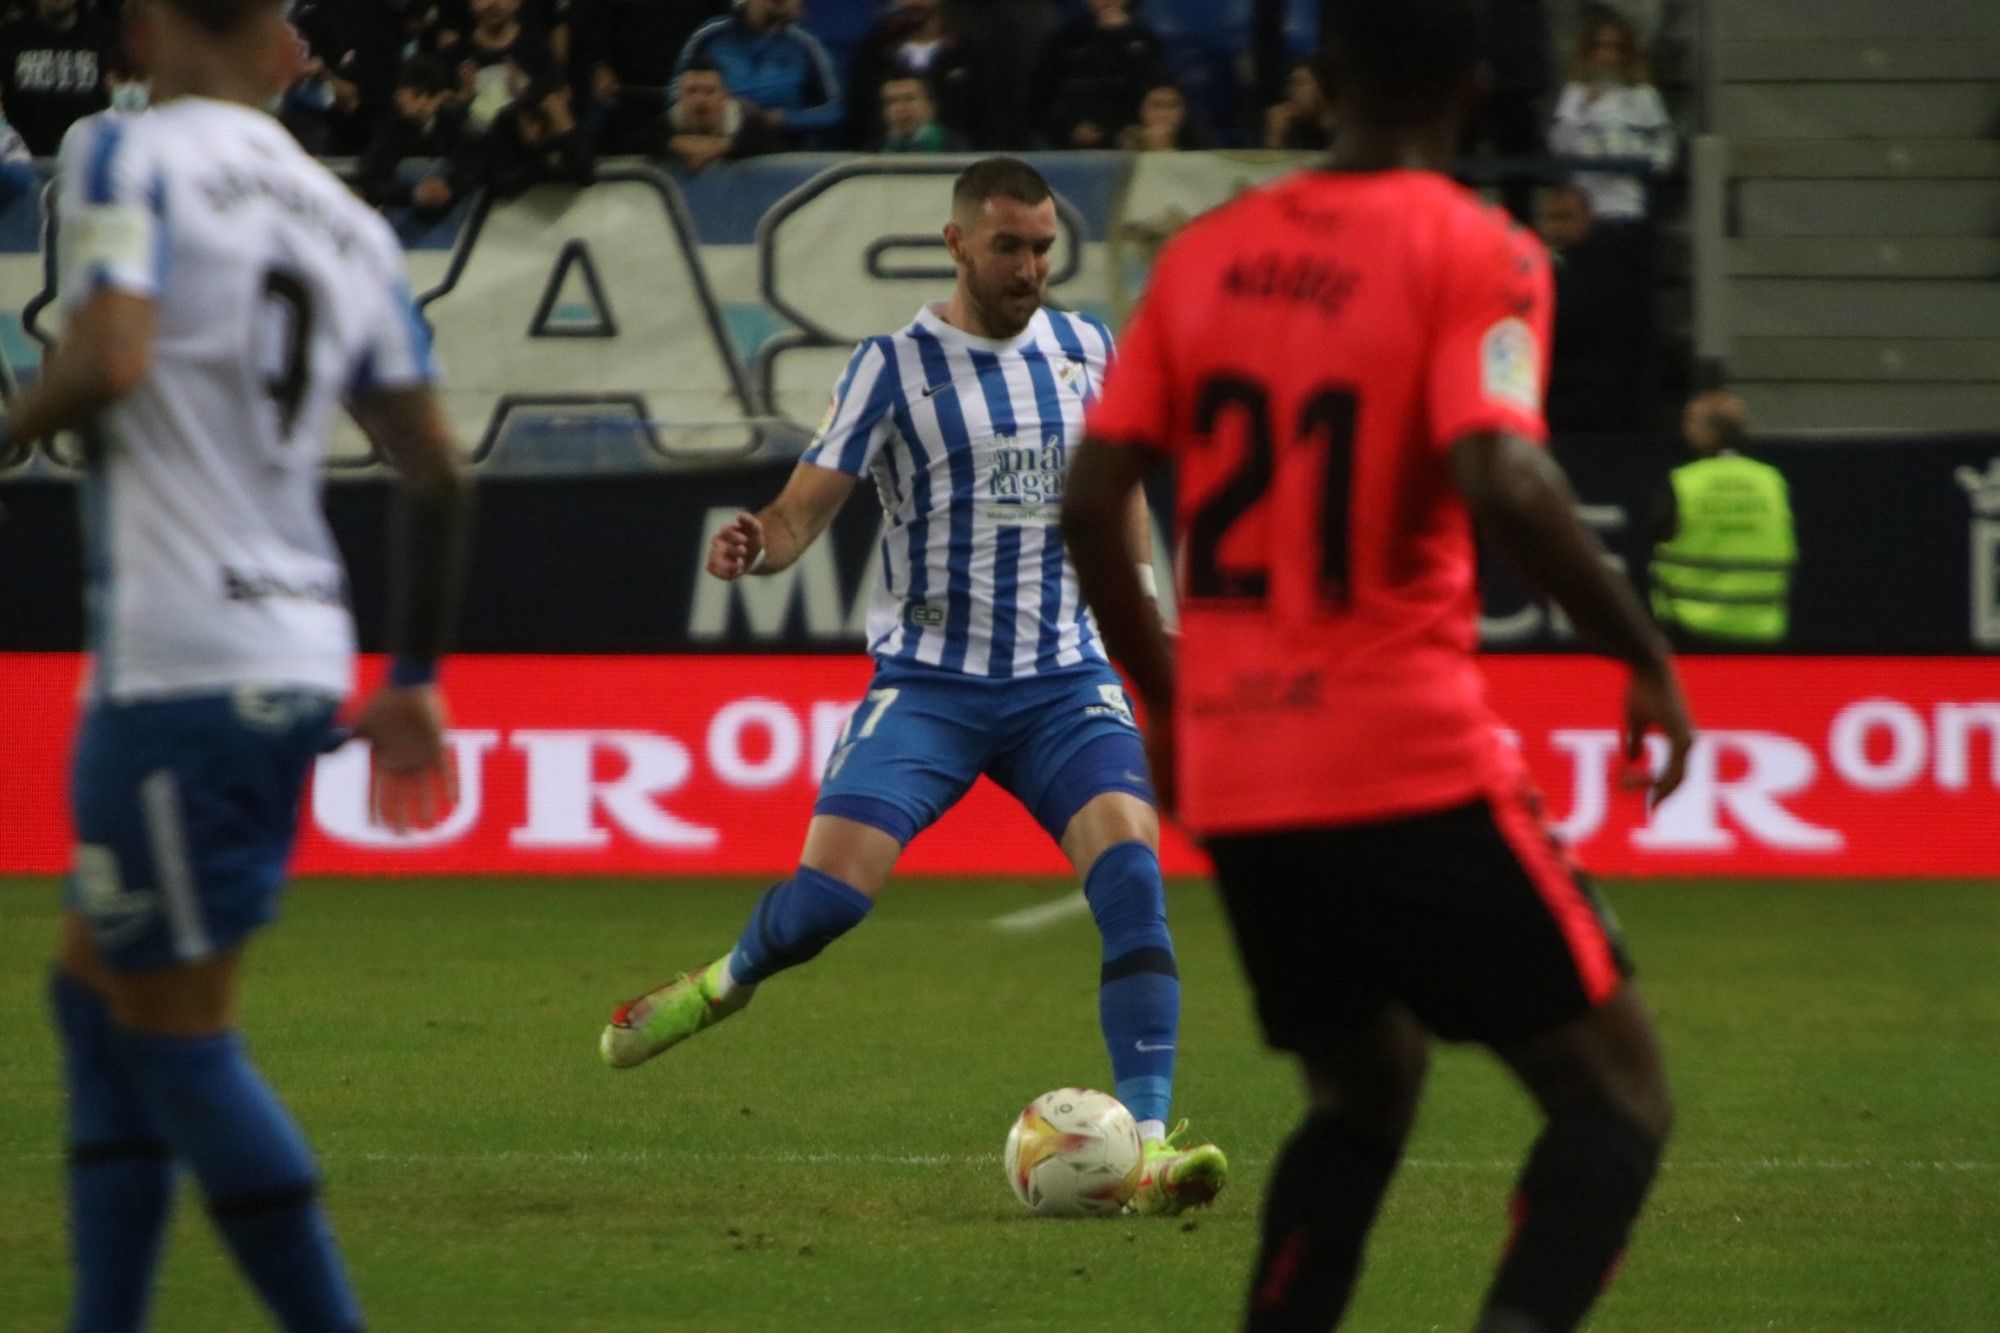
222, 295
987, 661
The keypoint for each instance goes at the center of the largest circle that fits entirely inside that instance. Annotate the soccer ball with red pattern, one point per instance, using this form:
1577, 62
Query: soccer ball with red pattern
1074, 1153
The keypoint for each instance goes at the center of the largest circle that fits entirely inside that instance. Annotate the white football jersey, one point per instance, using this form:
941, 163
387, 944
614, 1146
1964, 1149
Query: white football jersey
277, 294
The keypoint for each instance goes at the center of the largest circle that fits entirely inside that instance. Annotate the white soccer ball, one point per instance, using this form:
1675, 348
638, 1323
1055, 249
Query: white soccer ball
1074, 1153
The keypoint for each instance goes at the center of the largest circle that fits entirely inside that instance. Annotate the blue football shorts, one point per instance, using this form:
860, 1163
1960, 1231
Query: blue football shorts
186, 810
921, 737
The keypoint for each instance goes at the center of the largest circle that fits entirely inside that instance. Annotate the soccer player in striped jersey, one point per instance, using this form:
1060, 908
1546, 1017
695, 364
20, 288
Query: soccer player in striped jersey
986, 660
223, 295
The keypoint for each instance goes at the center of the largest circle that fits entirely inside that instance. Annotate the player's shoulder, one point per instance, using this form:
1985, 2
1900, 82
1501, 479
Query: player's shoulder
97, 145
1078, 331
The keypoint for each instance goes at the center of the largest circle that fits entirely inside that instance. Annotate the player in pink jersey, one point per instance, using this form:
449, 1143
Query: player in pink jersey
1344, 371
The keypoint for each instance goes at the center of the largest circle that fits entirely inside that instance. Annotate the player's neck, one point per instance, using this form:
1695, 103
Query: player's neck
217, 83
1364, 147
963, 315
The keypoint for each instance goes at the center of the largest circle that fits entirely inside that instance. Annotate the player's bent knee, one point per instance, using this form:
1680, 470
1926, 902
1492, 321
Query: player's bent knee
857, 854
1105, 821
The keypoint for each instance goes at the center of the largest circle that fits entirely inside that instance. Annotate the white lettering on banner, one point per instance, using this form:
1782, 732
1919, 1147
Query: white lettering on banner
767, 598
1956, 724
1590, 753
340, 796
780, 726
1909, 745
1773, 767
564, 795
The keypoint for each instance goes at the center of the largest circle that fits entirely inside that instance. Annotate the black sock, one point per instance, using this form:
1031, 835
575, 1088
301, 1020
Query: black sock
1584, 1185
1325, 1189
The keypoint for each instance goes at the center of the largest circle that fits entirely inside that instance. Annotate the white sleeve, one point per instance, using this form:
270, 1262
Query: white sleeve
395, 351
858, 422
111, 211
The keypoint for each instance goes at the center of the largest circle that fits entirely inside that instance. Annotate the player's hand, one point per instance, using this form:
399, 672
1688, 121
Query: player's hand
1653, 702
413, 780
736, 548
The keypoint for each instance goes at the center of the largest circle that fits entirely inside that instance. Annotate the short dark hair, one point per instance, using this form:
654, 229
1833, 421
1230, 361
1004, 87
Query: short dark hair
424, 73
705, 65
1403, 62
1001, 177
221, 18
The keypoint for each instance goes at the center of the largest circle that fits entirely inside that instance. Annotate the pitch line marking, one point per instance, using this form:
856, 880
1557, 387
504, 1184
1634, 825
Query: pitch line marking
1043, 915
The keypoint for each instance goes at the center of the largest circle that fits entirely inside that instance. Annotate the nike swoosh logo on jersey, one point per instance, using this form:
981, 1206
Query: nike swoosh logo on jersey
933, 389
1163, 1046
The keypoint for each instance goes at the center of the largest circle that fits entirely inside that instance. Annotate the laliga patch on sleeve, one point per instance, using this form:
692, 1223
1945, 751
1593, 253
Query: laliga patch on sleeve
117, 238
1510, 364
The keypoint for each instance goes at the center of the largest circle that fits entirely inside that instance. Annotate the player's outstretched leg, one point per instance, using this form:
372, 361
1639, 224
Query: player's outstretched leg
121, 1170
1328, 1183
1139, 1009
1602, 1084
792, 923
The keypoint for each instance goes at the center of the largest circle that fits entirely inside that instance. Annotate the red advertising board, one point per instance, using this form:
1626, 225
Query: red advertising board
662, 765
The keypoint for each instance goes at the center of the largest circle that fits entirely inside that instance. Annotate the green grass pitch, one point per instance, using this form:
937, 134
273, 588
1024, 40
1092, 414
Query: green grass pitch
830, 1160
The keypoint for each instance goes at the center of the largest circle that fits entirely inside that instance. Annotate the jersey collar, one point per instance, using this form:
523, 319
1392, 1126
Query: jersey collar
931, 320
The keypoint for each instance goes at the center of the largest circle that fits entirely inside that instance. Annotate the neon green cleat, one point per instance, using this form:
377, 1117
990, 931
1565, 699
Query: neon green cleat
1175, 1179
666, 1017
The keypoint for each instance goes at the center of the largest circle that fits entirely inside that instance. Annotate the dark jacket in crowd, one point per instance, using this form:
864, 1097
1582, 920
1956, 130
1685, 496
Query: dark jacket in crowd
1601, 365
360, 42
50, 78
1092, 75
507, 163
639, 39
949, 76
443, 137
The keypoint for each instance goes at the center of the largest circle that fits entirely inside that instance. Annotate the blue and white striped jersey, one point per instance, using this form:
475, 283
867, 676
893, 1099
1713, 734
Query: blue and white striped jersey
969, 442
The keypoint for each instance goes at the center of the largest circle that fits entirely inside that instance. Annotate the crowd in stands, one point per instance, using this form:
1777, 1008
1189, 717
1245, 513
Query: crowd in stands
434, 99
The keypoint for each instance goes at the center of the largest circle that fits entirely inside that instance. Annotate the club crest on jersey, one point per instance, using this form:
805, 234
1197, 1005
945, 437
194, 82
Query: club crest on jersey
1070, 374
1510, 368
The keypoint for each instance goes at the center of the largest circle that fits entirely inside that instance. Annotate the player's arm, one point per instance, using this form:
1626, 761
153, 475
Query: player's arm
413, 782
775, 536
1527, 510
1107, 532
105, 353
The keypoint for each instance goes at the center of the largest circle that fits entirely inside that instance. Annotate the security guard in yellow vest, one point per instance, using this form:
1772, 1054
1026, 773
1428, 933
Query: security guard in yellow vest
1724, 575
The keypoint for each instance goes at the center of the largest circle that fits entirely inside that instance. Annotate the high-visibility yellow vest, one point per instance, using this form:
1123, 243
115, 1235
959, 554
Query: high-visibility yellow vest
1727, 574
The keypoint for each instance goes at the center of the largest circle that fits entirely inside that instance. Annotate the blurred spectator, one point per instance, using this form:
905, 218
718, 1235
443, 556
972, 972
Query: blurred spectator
707, 125
547, 19
497, 60
422, 123
1163, 124
1091, 75
909, 119
912, 38
775, 68
311, 107
1004, 39
126, 87
1302, 122
1601, 365
51, 71
1722, 571
1609, 110
17, 164
360, 44
534, 141
626, 51
1509, 122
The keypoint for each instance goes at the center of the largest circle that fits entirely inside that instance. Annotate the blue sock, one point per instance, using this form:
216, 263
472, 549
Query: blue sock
1139, 990
793, 922
229, 1127
121, 1171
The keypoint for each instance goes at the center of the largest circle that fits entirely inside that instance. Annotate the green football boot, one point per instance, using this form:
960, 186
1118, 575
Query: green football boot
1174, 1179
666, 1017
